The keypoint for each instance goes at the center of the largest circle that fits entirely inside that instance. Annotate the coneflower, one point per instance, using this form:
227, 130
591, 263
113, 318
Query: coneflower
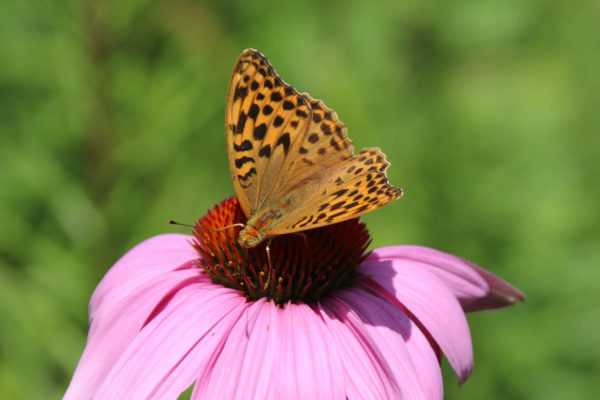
321, 319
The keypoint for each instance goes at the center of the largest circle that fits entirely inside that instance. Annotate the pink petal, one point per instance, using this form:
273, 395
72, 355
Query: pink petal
430, 301
276, 353
475, 288
113, 329
176, 346
245, 349
407, 351
367, 374
123, 301
306, 347
149, 259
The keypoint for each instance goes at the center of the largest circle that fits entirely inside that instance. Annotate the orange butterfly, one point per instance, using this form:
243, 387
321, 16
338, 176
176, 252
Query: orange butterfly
292, 164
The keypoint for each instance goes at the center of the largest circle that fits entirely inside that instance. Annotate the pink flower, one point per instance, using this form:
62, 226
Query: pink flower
323, 323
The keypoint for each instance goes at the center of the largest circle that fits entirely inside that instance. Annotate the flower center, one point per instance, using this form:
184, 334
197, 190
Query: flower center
303, 266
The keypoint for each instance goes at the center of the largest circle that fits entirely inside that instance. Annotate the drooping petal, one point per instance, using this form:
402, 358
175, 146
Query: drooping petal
171, 351
114, 328
407, 351
123, 303
149, 259
475, 288
430, 301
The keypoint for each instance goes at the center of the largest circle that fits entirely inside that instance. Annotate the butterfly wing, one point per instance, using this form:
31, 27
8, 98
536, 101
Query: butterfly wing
355, 187
325, 144
265, 122
290, 153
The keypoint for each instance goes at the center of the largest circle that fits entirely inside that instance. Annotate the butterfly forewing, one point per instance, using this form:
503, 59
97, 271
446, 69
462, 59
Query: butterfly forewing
324, 144
265, 122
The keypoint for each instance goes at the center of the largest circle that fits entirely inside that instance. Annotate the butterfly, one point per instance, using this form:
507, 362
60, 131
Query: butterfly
292, 164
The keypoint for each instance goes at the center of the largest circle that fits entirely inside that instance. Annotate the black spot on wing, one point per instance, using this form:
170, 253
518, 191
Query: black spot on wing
260, 131
319, 217
247, 174
335, 144
337, 205
239, 162
240, 93
265, 151
307, 221
339, 192
253, 112
361, 209
333, 216
299, 222
323, 206
284, 140
301, 113
244, 146
241, 123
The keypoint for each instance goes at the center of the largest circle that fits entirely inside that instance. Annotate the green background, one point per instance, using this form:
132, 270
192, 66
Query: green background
112, 122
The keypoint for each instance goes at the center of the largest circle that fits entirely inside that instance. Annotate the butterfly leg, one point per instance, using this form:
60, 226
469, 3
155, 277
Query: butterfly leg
303, 237
268, 249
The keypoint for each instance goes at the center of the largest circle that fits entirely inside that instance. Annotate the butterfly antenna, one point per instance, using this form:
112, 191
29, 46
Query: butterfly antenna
180, 224
208, 229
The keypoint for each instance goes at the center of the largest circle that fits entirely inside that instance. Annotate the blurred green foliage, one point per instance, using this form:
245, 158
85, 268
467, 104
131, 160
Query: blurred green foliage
112, 122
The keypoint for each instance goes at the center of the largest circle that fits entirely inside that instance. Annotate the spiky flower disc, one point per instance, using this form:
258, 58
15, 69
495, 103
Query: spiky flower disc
304, 266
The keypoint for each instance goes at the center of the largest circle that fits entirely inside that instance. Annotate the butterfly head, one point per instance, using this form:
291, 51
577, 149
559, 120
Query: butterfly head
250, 237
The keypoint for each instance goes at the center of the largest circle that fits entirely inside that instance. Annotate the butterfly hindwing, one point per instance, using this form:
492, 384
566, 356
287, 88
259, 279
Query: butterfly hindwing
358, 185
